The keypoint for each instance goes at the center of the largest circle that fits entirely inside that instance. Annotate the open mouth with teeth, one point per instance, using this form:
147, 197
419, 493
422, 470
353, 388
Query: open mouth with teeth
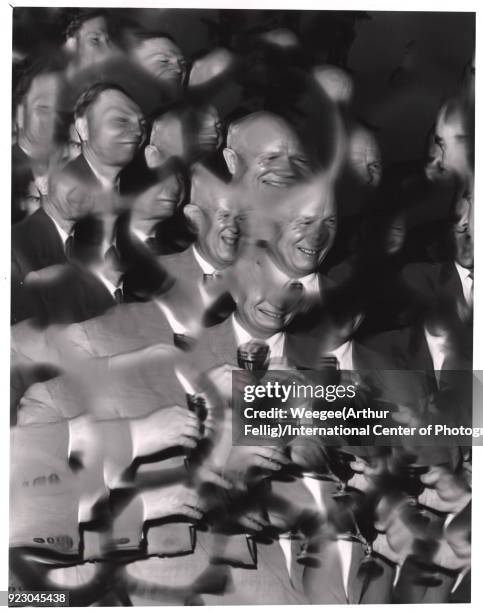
230, 240
276, 316
309, 252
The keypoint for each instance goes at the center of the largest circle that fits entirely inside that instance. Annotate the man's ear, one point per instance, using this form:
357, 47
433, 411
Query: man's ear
70, 44
152, 156
82, 129
231, 159
193, 216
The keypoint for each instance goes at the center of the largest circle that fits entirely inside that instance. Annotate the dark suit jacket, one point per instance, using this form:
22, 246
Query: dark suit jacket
75, 295
431, 283
36, 244
22, 175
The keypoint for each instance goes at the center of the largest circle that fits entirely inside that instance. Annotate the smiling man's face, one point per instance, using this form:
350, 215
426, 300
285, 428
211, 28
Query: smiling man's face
217, 215
304, 229
267, 299
267, 153
115, 128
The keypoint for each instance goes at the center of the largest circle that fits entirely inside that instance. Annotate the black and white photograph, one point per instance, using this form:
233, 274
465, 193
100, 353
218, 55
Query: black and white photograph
241, 306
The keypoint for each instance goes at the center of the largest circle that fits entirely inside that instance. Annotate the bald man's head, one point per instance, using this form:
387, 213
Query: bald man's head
262, 149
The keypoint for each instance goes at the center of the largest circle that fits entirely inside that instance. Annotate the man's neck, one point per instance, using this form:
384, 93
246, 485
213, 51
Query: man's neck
110, 173
209, 260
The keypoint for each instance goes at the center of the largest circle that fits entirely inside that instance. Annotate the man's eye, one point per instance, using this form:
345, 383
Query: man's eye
332, 221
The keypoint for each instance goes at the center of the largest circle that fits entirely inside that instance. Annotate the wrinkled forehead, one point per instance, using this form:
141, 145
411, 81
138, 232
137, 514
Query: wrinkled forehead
364, 145
113, 99
44, 87
161, 46
262, 134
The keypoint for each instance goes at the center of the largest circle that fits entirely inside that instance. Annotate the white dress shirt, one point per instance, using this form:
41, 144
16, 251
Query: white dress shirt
206, 268
311, 284
438, 349
275, 342
110, 286
466, 283
344, 355
344, 547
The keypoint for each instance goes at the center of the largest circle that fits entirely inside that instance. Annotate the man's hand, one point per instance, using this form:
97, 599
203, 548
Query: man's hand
244, 458
164, 429
445, 491
171, 500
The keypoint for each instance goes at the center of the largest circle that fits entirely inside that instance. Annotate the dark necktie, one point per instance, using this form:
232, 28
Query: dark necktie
184, 342
118, 296
69, 247
152, 244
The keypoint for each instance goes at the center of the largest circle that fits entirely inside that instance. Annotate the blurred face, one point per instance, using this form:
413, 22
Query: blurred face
74, 144
304, 238
365, 157
162, 199
210, 134
267, 299
270, 155
395, 235
219, 233
93, 41
70, 197
38, 116
163, 59
448, 151
463, 235
115, 128
30, 202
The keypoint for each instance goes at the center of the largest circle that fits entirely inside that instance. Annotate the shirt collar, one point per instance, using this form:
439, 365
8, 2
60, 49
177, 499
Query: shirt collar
463, 272
344, 355
310, 283
106, 282
204, 265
